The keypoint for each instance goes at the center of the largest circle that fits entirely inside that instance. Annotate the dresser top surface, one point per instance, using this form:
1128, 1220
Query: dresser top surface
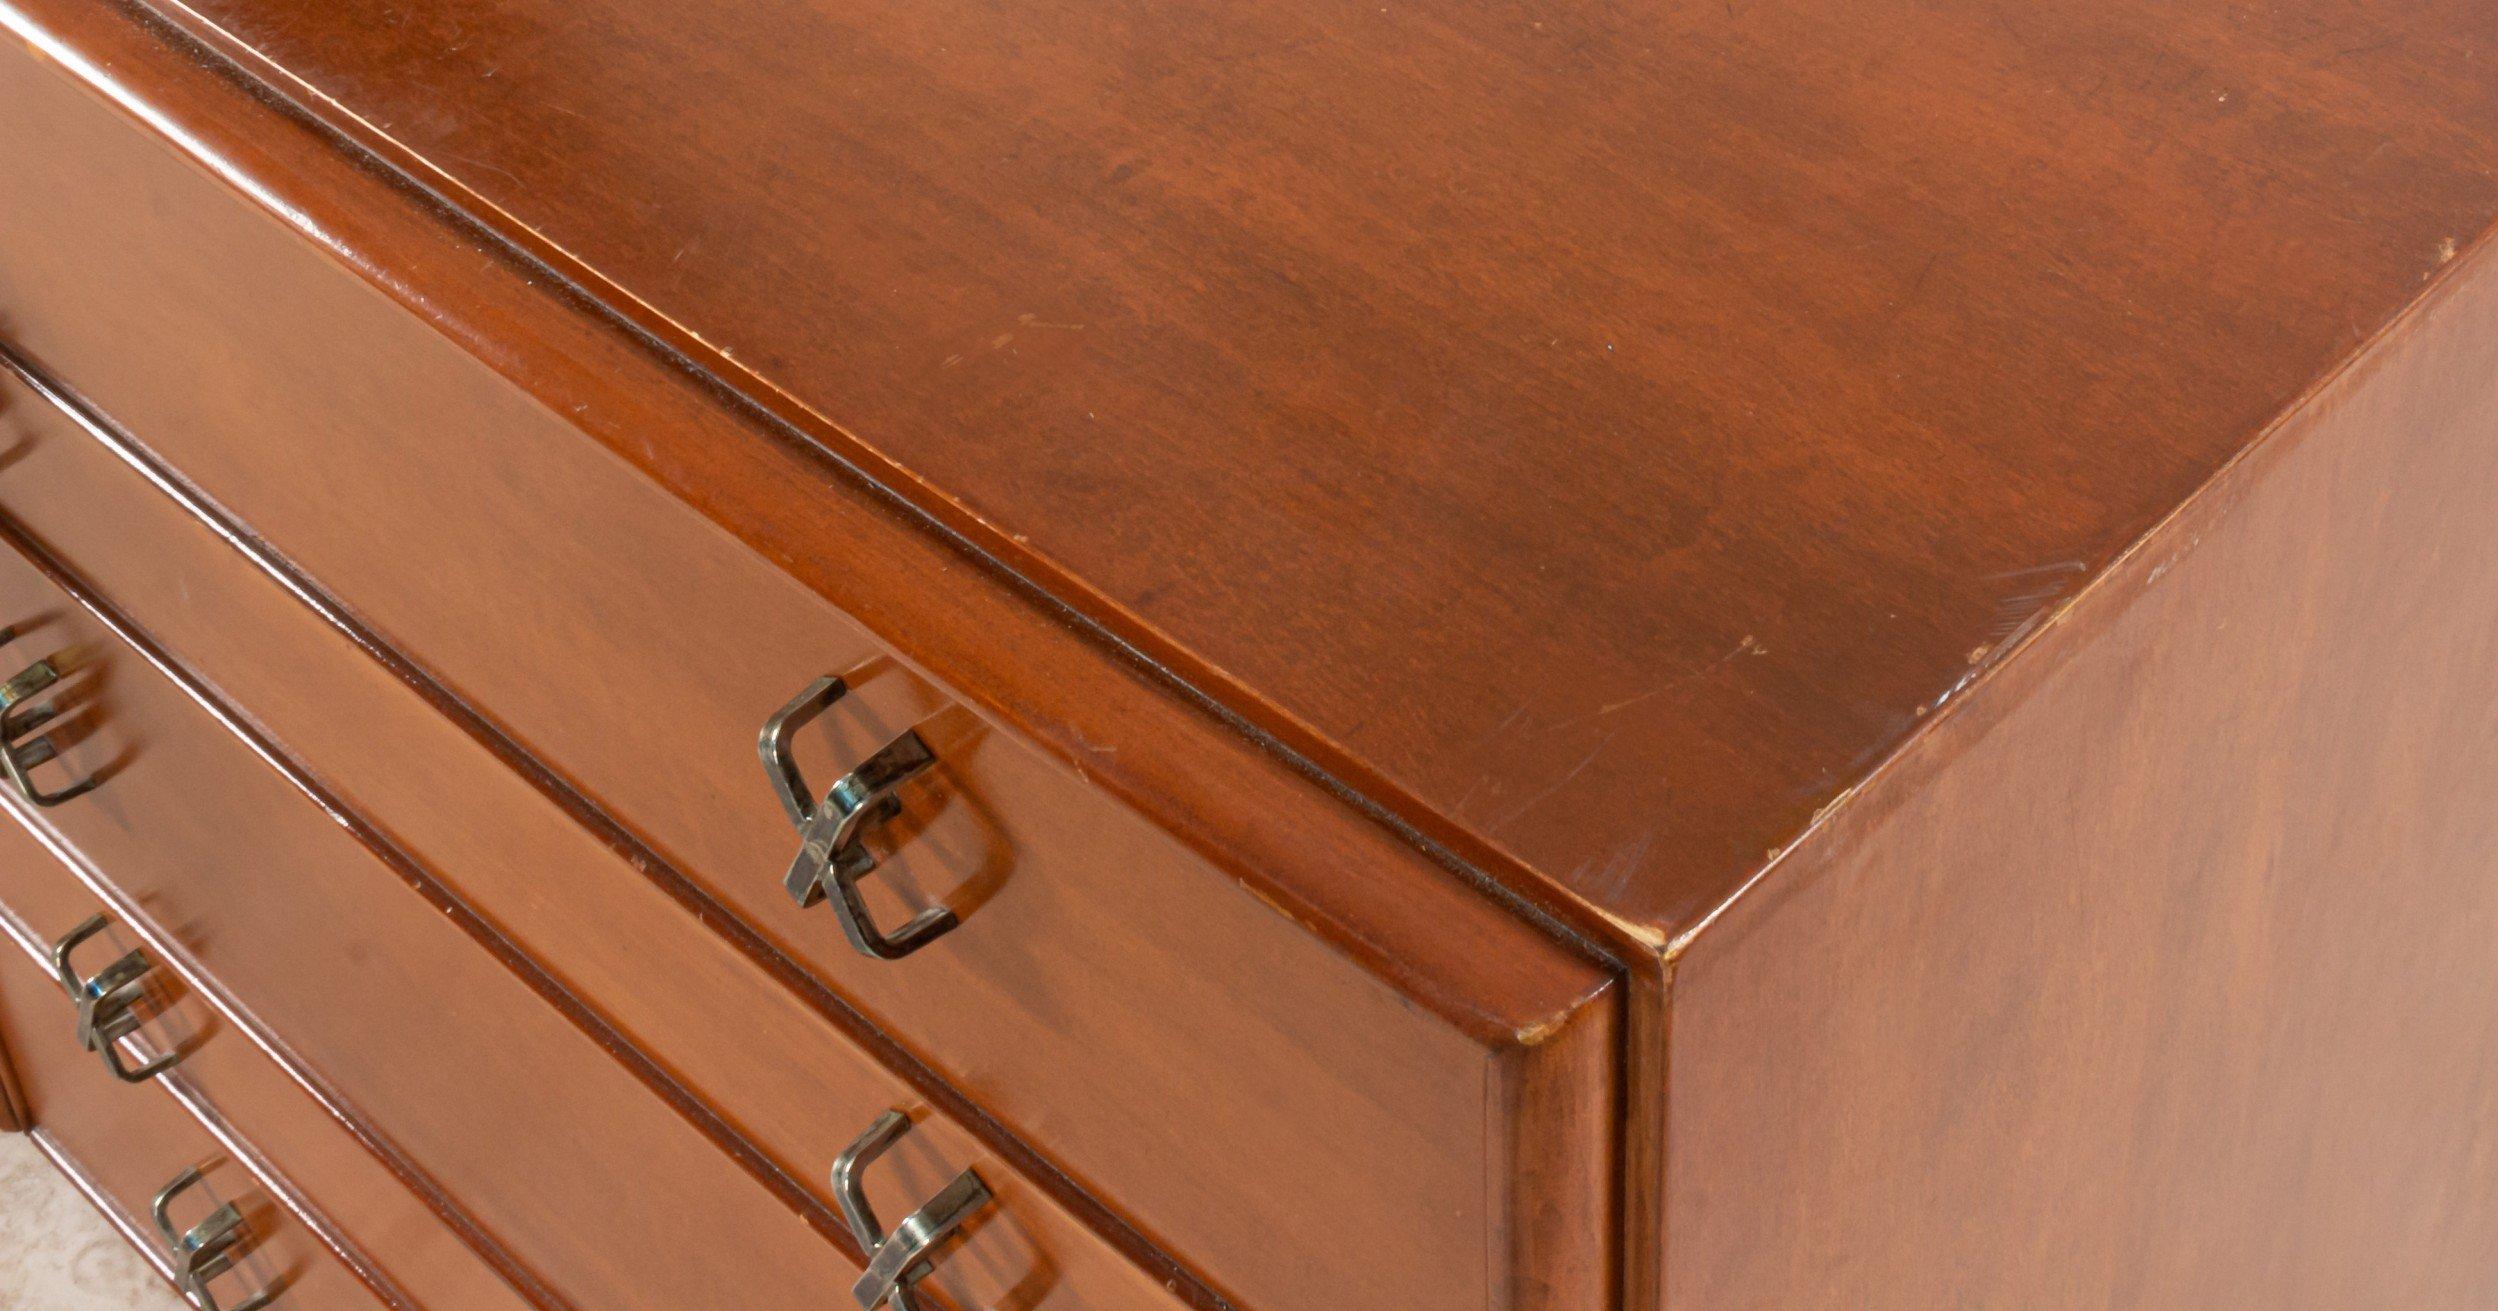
1608, 429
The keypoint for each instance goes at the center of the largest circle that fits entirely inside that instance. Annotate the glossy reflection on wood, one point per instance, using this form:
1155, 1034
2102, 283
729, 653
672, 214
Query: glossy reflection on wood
636, 650
393, 1231
613, 943
1802, 652
121, 1143
1601, 428
2162, 974
591, 1183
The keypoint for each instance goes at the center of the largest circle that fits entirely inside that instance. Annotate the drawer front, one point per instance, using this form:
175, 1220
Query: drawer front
123, 1143
407, 1247
1206, 1066
770, 1073
302, 934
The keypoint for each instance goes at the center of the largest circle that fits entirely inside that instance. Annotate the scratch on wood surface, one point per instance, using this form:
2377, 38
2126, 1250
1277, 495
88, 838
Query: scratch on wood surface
2043, 586
1749, 645
1622, 866
1916, 288
2363, 48
1546, 793
2059, 567
1005, 339
497, 170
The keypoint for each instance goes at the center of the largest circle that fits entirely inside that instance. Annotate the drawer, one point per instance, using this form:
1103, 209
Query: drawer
1233, 1082
122, 1144
772, 1077
304, 930
408, 1249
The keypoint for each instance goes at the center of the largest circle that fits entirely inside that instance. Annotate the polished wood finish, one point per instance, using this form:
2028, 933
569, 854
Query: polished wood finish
1858, 620
298, 1151
120, 1143
2161, 975
298, 1148
611, 633
1596, 432
595, 1190
768, 1076
1416, 917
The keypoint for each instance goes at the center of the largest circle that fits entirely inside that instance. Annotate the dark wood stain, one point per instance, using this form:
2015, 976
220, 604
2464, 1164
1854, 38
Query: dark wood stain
1600, 431
1865, 620
2162, 974
422, 1260
332, 945
119, 1144
344, 431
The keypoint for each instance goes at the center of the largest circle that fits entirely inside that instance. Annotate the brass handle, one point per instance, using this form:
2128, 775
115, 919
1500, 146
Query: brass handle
19, 759
832, 856
898, 1260
204, 1251
108, 1001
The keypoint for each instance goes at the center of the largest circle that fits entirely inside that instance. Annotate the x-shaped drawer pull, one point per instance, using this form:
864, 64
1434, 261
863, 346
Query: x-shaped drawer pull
898, 1260
204, 1251
20, 758
832, 854
108, 1002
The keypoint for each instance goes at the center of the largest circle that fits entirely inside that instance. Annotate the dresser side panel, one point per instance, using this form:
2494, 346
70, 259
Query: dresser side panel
2159, 973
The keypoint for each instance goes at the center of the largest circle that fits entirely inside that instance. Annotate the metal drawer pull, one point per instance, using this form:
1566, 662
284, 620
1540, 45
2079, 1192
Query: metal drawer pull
832, 857
17, 719
205, 1250
898, 1260
108, 1002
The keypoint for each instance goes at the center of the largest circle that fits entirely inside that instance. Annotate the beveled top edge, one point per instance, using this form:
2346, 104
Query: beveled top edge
1929, 339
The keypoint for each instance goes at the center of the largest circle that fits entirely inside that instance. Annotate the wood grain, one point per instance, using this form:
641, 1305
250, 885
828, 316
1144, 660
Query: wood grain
1193, 767
299, 931
773, 1079
121, 1143
1271, 1095
2161, 974
1499, 487
301, 1153
1596, 431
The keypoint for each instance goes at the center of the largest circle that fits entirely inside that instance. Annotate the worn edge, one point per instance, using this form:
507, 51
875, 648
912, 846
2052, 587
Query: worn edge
1978, 689
1618, 948
1116, 635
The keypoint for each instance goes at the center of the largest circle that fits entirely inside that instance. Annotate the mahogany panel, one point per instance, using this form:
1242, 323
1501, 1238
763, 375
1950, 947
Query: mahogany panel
1596, 430
1915, 316
608, 630
1200, 770
300, 1151
300, 931
2161, 973
767, 1073
120, 1144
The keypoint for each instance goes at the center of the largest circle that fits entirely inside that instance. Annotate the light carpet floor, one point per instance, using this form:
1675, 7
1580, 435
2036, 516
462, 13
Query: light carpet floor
56, 1252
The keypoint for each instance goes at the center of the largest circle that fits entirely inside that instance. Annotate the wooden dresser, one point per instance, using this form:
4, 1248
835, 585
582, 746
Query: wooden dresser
1081, 656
